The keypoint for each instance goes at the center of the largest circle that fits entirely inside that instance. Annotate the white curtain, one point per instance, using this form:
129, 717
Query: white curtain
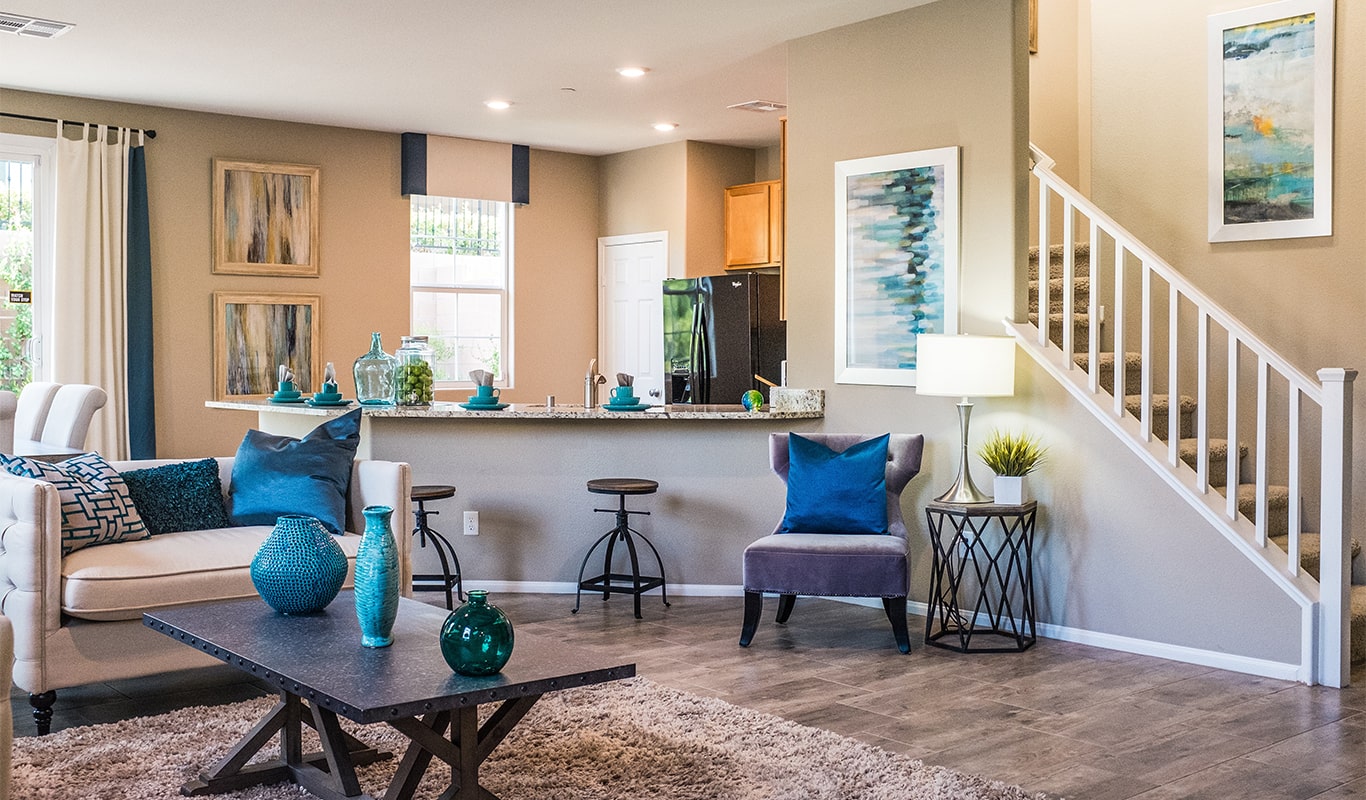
89, 341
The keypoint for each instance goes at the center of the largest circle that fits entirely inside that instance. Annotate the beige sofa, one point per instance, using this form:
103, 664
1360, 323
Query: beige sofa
78, 619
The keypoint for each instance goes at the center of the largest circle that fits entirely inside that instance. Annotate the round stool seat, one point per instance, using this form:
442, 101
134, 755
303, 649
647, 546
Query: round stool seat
432, 492
622, 486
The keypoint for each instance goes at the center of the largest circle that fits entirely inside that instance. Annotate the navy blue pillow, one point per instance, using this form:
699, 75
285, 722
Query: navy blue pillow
185, 496
829, 492
276, 475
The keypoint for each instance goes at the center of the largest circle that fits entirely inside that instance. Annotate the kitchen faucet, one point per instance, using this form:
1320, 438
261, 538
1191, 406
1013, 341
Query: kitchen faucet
590, 385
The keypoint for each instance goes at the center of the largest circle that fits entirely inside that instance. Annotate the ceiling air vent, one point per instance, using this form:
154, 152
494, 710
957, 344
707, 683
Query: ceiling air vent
762, 106
21, 25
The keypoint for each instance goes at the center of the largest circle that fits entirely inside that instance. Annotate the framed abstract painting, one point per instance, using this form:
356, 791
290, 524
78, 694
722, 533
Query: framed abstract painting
896, 261
253, 334
1271, 121
265, 219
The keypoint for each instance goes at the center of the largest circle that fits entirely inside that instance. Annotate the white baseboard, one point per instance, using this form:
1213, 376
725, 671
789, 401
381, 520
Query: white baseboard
1109, 641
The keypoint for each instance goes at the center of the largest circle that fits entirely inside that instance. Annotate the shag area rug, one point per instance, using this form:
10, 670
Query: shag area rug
627, 739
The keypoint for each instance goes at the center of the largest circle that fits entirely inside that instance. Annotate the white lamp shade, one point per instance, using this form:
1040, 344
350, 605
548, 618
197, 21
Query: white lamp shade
964, 366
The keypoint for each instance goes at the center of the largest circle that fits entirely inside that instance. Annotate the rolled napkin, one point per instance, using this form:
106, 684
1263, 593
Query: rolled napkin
329, 374
286, 388
330, 393
481, 377
286, 374
624, 379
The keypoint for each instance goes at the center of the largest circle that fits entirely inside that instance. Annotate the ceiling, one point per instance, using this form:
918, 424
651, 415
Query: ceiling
429, 65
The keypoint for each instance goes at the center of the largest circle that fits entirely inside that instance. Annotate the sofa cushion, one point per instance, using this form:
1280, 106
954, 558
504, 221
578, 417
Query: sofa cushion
121, 581
830, 492
185, 496
827, 564
277, 475
96, 507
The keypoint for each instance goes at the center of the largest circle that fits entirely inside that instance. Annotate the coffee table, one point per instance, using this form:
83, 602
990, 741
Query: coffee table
323, 672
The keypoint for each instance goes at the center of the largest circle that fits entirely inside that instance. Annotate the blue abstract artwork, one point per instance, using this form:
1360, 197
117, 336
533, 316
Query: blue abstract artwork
898, 236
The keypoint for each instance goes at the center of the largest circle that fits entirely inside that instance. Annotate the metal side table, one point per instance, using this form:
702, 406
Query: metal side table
982, 571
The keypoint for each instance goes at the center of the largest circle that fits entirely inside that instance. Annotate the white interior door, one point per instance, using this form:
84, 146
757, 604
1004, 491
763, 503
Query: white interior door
631, 272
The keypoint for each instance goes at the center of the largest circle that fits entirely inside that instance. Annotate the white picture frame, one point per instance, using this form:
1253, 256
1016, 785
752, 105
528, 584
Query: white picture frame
1271, 121
896, 262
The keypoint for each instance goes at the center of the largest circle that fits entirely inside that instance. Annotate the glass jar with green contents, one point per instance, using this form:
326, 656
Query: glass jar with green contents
413, 377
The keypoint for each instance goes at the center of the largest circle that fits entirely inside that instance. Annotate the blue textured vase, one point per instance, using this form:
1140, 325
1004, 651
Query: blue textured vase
477, 637
300, 567
377, 578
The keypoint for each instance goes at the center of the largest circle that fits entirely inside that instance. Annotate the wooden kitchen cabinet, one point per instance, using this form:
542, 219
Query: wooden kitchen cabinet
754, 225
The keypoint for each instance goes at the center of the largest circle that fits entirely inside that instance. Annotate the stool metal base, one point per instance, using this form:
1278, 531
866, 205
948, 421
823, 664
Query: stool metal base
450, 576
610, 582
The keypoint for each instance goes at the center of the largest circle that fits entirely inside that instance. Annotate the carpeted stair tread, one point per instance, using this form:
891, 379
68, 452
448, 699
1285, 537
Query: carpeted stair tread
1080, 325
1082, 255
1218, 457
1277, 506
1081, 294
1310, 545
1133, 368
1134, 405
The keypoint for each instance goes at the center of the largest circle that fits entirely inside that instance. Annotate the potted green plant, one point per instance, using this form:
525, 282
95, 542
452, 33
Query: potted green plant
1011, 456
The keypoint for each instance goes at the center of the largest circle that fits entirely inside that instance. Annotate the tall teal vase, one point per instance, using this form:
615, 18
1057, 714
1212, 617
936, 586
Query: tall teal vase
377, 578
300, 567
477, 637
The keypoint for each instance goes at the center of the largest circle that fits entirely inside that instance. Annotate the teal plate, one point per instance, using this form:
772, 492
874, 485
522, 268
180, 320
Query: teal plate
293, 401
484, 406
321, 404
632, 407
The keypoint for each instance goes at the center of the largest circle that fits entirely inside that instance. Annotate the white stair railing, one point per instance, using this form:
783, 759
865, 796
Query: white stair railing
1283, 439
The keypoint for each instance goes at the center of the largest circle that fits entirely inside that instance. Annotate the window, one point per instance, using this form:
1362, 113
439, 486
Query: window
461, 284
25, 256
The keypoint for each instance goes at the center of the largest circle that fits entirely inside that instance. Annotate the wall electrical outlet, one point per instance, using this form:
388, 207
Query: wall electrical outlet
471, 523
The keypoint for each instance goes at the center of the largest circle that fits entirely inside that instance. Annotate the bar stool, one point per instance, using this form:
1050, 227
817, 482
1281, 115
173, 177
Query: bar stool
610, 582
433, 582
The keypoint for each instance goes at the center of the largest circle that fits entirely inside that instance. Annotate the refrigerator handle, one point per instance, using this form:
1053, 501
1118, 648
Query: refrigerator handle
701, 352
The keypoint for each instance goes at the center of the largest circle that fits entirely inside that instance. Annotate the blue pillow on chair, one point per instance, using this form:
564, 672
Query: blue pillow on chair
276, 475
829, 492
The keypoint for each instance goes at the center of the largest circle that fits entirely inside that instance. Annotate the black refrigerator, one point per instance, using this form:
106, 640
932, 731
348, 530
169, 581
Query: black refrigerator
719, 332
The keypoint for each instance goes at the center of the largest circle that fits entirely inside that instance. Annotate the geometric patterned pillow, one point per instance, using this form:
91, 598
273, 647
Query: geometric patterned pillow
96, 508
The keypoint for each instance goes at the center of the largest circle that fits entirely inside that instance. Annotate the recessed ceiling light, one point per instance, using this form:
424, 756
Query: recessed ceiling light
665, 127
632, 72
498, 105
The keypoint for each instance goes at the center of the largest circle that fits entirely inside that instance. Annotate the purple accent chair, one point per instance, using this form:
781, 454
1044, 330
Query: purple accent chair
836, 564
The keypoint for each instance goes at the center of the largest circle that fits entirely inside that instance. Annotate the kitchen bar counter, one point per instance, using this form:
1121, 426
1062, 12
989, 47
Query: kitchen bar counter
440, 410
524, 469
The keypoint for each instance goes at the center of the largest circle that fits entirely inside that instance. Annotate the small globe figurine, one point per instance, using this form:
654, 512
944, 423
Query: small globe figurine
753, 400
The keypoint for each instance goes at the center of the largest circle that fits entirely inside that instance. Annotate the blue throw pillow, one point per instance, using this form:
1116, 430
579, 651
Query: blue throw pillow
185, 496
829, 492
276, 475
96, 508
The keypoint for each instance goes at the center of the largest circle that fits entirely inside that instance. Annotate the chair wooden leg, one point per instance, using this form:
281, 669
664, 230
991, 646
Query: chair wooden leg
42, 710
754, 606
785, 604
896, 614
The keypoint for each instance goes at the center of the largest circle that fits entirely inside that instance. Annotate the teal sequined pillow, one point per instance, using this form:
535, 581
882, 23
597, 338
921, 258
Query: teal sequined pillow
185, 496
96, 508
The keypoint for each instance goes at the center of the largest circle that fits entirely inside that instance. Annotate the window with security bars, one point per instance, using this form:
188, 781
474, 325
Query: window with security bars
461, 253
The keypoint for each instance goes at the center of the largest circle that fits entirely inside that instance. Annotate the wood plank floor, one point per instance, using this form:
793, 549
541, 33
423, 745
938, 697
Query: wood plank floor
1070, 720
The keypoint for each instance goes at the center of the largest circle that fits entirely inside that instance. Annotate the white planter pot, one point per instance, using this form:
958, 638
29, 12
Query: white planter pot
1011, 491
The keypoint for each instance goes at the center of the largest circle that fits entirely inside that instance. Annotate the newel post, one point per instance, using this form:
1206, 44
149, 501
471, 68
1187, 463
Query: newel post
1335, 523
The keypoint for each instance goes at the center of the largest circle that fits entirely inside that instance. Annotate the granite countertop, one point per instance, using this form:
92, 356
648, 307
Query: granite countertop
440, 410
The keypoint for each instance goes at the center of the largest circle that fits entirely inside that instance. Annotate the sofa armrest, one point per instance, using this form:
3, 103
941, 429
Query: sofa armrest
6, 715
30, 571
385, 483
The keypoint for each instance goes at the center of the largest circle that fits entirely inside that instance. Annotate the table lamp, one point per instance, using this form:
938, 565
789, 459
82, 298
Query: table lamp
964, 366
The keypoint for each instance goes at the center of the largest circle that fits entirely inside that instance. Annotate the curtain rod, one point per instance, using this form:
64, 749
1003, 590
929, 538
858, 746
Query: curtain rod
150, 134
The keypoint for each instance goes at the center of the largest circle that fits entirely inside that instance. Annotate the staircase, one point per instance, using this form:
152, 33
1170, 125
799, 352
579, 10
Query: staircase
1178, 379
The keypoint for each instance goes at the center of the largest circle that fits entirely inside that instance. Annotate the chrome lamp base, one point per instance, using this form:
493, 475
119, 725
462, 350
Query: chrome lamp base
964, 491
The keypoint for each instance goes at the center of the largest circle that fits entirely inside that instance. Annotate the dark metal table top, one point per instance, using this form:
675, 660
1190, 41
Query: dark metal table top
319, 657
980, 509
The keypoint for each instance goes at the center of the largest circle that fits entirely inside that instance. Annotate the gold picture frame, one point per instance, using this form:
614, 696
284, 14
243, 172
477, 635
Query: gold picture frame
254, 333
265, 219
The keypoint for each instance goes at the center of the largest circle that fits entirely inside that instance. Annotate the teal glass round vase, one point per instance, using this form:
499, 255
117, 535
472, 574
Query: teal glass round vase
377, 578
300, 567
477, 637
374, 374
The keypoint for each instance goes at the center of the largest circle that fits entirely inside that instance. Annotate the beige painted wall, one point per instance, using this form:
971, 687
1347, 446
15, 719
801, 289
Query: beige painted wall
711, 168
644, 191
1054, 92
1303, 296
1109, 532
364, 240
